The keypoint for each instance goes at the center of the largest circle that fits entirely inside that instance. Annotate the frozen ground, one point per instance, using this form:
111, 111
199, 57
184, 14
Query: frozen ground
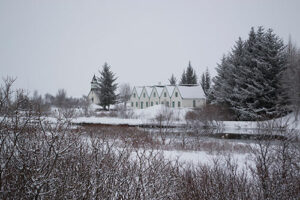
147, 116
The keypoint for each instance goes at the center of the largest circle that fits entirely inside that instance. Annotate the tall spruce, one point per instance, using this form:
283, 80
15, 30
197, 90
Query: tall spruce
189, 76
248, 79
172, 80
183, 78
107, 87
205, 82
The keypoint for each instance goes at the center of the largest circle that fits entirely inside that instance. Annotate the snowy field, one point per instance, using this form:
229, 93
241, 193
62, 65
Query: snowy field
148, 115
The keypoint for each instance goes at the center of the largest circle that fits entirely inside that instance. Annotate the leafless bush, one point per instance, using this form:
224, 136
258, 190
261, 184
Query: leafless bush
207, 119
123, 112
165, 119
276, 174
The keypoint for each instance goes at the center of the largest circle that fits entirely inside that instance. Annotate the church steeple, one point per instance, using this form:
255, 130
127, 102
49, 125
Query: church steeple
94, 84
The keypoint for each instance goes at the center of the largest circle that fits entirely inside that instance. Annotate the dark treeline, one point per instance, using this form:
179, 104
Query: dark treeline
258, 78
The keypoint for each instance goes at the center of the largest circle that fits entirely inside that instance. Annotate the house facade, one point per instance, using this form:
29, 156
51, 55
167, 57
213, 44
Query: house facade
172, 96
93, 95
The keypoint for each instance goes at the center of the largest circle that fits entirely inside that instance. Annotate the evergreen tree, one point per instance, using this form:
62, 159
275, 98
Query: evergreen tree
248, 79
189, 76
183, 78
172, 80
205, 82
107, 87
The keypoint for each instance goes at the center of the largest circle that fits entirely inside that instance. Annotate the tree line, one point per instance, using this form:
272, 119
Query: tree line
259, 78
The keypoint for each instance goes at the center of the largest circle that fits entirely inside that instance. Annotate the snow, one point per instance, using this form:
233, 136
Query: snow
203, 157
191, 92
109, 120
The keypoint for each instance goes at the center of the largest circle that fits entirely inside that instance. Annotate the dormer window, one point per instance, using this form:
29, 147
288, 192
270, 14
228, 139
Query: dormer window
176, 94
144, 95
165, 94
154, 94
134, 95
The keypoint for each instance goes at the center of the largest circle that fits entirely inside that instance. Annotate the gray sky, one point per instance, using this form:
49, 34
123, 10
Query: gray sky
56, 44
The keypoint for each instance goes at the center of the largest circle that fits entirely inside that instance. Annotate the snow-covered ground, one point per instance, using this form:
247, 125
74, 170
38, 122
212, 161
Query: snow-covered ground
147, 116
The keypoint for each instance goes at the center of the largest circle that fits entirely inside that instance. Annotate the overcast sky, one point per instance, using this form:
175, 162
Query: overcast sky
56, 44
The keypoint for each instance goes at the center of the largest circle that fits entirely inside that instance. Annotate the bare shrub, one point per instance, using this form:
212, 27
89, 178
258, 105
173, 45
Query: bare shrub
165, 119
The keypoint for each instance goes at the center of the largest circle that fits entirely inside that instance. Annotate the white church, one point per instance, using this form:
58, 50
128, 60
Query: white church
93, 95
186, 96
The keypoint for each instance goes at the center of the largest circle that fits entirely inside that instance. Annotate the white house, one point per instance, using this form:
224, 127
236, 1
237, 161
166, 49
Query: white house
172, 96
93, 95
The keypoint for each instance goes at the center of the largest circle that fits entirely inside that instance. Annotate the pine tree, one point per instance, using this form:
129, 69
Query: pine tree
107, 87
172, 80
189, 76
183, 79
205, 82
248, 79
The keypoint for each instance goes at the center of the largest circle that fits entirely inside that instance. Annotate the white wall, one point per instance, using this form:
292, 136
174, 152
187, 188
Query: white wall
165, 99
93, 97
154, 99
135, 99
144, 99
176, 99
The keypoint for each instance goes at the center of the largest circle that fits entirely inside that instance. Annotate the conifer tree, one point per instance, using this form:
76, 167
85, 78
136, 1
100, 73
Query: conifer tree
205, 82
189, 76
248, 79
183, 78
107, 87
172, 80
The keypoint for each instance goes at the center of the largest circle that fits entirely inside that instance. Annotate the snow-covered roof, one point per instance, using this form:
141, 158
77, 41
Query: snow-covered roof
191, 92
187, 92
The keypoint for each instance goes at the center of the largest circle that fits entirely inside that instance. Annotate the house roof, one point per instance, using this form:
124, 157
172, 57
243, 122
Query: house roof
194, 92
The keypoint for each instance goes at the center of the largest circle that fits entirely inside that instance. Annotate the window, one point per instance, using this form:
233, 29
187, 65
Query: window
147, 104
131, 104
165, 94
176, 94
156, 103
194, 103
162, 102
142, 104
144, 95
168, 104
134, 95
154, 94
151, 103
173, 104
136, 104
178, 104
93, 99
